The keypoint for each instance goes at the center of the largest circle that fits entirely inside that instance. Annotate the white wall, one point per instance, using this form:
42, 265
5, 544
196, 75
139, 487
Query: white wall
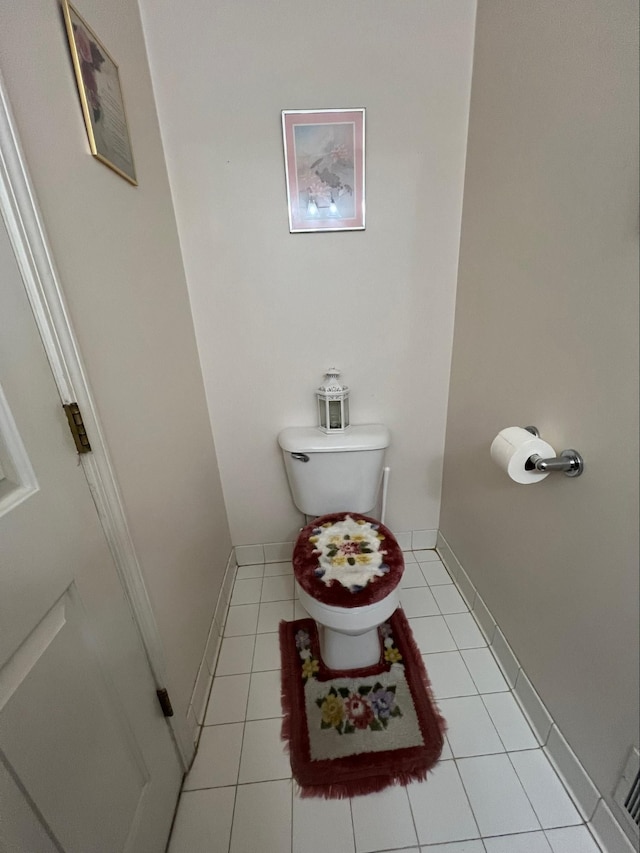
273, 310
547, 334
117, 251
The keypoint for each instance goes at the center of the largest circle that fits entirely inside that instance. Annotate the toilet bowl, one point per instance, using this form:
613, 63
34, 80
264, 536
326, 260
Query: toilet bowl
347, 571
334, 477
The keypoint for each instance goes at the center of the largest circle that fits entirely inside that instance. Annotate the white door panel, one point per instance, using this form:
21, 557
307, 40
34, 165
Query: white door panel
57, 711
20, 828
87, 762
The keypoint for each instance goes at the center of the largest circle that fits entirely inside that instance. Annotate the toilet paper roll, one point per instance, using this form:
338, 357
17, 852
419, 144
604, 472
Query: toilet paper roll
511, 449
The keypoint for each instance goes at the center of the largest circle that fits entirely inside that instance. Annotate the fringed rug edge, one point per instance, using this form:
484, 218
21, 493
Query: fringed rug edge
367, 784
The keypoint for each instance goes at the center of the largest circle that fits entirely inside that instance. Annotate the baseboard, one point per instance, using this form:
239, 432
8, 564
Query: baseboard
204, 679
280, 552
272, 552
597, 815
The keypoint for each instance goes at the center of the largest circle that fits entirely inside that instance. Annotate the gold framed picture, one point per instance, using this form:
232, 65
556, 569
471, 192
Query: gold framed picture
100, 96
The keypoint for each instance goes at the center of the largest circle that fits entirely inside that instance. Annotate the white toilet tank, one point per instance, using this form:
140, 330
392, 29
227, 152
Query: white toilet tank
334, 472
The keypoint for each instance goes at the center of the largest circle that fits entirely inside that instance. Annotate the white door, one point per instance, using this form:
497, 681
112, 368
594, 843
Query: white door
87, 762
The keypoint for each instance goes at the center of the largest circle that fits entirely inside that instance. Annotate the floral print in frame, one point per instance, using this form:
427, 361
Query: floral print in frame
324, 166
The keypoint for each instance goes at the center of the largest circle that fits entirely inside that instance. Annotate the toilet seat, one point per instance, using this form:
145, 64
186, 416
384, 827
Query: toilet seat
348, 618
334, 594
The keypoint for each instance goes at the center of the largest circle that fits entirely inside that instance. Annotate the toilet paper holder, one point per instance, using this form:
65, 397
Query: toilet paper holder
570, 462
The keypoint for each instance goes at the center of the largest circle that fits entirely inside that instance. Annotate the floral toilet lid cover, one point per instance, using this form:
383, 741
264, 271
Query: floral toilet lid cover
347, 560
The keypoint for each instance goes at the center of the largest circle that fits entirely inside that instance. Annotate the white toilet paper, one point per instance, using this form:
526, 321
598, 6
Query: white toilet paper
512, 447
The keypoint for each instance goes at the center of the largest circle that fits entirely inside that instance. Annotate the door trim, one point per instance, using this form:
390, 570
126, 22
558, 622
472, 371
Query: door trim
24, 223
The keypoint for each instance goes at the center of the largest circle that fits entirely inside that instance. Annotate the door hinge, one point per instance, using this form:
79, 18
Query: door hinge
76, 426
165, 702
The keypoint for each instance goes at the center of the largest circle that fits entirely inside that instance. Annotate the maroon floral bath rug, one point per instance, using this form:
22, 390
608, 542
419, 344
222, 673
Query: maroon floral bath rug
357, 732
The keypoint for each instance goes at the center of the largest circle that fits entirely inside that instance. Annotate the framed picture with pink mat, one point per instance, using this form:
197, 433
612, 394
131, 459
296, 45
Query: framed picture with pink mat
324, 169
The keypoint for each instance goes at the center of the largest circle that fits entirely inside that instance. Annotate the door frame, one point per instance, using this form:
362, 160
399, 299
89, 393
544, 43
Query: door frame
24, 223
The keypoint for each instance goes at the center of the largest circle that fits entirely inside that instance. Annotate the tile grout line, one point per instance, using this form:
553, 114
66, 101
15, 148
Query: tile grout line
246, 707
413, 817
505, 752
466, 793
244, 722
490, 646
460, 695
480, 693
475, 820
353, 824
204, 717
566, 826
251, 674
499, 736
459, 650
464, 788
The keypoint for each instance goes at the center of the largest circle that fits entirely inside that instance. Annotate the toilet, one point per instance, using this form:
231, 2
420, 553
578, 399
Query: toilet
347, 565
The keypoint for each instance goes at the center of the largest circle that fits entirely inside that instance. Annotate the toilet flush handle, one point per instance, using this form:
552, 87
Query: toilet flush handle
301, 457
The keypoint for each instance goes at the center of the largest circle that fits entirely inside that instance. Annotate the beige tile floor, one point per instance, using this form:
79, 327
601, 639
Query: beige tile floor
493, 791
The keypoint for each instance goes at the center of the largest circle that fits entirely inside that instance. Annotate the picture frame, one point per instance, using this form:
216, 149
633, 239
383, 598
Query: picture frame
101, 98
324, 156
